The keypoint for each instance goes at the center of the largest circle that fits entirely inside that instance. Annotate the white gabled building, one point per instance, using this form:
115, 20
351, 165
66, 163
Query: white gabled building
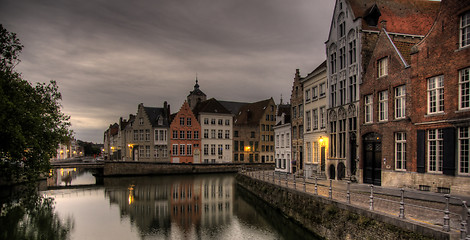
315, 134
282, 139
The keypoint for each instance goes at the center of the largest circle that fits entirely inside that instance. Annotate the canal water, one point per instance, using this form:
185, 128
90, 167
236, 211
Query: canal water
209, 206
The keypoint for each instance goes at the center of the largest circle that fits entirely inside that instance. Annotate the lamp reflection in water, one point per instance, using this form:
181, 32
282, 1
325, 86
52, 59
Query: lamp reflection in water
131, 194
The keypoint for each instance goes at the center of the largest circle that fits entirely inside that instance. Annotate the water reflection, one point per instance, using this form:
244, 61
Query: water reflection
70, 177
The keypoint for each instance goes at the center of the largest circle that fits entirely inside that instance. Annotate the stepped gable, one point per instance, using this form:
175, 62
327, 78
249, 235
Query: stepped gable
210, 106
251, 113
414, 17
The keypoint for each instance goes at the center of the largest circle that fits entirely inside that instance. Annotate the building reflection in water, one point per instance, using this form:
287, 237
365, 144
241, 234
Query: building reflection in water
154, 205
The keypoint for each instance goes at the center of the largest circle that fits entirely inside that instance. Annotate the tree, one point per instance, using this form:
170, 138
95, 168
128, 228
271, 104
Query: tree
32, 122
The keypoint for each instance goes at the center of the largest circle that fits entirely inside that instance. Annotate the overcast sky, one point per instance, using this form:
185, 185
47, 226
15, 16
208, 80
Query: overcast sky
109, 56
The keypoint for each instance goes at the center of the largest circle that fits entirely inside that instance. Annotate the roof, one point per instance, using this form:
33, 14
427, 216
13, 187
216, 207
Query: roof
252, 113
154, 114
210, 106
316, 71
414, 17
283, 108
196, 90
233, 107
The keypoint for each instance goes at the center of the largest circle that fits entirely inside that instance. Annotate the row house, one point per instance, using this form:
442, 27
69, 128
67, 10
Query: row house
216, 129
253, 134
315, 137
112, 148
353, 35
185, 138
69, 149
282, 135
297, 121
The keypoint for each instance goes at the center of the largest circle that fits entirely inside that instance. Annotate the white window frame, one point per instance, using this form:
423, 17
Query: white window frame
464, 36
189, 149
464, 89
322, 117
383, 106
435, 150
400, 151
464, 150
400, 102
175, 150
182, 149
212, 149
368, 109
315, 119
435, 94
382, 67
308, 120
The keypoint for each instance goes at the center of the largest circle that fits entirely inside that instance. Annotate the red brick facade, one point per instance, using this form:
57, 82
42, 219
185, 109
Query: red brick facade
185, 137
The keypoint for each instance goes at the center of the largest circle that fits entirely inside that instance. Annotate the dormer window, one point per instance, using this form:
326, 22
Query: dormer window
382, 67
141, 121
465, 29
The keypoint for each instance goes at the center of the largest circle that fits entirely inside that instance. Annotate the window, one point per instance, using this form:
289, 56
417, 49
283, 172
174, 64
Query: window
175, 150
181, 121
252, 134
435, 95
235, 133
309, 152
175, 134
220, 122
368, 109
155, 153
188, 134
342, 92
464, 91
227, 146
212, 149
206, 149
212, 133
322, 117
196, 134
182, 149
352, 51
188, 121
322, 89
147, 151
141, 151
382, 67
309, 120
307, 95
333, 95
141, 133
383, 106
435, 150
189, 149
333, 139
352, 89
333, 63
220, 149
342, 138
342, 58
141, 121
147, 134
315, 119
465, 29
400, 151
165, 152
294, 112
464, 150
206, 121
219, 134
400, 102
227, 134
206, 133
136, 135
181, 134
315, 93
287, 140
212, 121
227, 122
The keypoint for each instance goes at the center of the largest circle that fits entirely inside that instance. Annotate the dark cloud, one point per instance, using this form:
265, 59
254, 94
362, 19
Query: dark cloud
109, 56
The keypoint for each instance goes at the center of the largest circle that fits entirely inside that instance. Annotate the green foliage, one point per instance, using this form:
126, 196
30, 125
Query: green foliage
32, 122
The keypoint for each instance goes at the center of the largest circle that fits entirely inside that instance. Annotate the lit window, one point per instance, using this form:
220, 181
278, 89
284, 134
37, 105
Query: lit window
465, 29
464, 91
382, 67
435, 94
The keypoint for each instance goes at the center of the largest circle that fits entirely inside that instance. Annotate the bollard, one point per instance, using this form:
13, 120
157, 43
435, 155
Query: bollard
305, 187
273, 176
295, 187
316, 186
463, 224
279, 174
330, 191
402, 203
348, 194
446, 226
371, 201
287, 175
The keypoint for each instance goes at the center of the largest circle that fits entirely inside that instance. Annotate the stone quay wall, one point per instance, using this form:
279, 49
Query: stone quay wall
337, 220
152, 168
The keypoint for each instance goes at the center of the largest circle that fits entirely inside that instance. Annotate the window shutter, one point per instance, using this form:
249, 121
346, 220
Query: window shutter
449, 151
420, 151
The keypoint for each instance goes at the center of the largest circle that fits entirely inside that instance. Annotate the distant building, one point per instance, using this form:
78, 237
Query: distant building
185, 137
69, 149
282, 139
195, 96
315, 122
253, 134
216, 129
297, 115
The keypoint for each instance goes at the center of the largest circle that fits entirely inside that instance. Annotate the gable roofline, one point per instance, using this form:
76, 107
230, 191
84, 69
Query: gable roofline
210, 106
396, 49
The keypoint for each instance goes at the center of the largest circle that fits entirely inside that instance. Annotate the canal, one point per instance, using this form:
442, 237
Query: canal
208, 206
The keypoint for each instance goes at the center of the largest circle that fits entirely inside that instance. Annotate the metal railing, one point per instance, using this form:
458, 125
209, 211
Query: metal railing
451, 217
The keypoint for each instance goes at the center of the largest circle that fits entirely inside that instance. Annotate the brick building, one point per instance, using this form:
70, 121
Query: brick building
185, 139
297, 123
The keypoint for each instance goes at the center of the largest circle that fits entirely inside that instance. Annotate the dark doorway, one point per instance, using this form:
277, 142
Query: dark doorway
372, 145
332, 170
341, 171
353, 153
301, 158
322, 158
